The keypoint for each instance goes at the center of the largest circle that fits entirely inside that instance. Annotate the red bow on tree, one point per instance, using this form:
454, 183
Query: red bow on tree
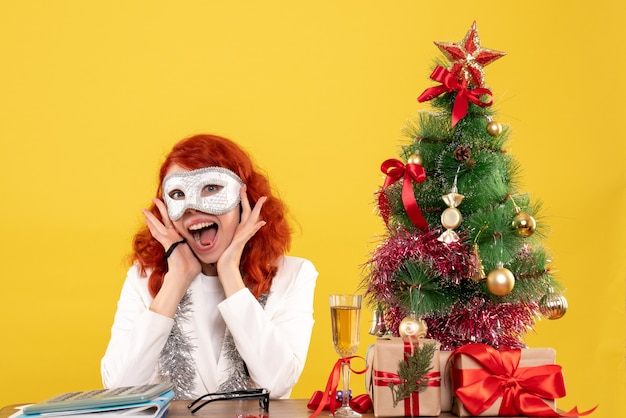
449, 83
395, 170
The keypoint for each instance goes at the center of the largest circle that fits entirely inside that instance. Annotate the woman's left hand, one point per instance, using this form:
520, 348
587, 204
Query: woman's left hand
249, 224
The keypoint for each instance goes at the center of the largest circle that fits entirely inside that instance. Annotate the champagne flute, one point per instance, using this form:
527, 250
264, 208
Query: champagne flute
344, 313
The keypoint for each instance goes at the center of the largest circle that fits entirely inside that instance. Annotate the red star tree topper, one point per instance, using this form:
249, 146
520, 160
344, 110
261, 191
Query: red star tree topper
468, 58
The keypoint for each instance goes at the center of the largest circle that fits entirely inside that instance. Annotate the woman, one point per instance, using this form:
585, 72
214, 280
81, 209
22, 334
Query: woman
211, 302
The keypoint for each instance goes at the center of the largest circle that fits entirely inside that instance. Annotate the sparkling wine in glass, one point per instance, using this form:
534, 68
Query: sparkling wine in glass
344, 313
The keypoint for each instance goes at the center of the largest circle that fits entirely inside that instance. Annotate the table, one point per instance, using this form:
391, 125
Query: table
279, 408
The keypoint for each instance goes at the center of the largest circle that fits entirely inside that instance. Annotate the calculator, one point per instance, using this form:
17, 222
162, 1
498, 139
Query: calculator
99, 398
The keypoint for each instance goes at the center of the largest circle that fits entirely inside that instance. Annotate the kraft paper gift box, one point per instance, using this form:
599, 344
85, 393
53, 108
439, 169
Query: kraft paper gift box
446, 382
384, 359
472, 381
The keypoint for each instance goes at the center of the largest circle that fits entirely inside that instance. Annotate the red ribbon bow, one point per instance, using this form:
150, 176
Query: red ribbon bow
328, 399
521, 388
361, 403
449, 82
394, 169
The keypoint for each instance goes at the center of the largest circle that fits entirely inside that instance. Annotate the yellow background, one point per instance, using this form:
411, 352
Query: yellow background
94, 93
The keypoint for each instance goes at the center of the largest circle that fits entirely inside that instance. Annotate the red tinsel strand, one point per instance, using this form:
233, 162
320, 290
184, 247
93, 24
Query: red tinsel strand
384, 206
474, 319
479, 320
500, 325
452, 261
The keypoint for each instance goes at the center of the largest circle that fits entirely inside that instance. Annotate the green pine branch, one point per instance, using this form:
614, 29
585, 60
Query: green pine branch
421, 290
412, 373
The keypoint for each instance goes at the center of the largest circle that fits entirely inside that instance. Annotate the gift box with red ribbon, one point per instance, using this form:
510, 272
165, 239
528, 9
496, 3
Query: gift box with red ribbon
384, 379
515, 382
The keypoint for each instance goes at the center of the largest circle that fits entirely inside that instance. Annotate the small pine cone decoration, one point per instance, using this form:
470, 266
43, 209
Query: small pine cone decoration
462, 153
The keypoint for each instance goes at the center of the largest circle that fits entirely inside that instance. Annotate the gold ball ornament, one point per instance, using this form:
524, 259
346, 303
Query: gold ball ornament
494, 128
415, 158
524, 224
412, 327
500, 281
553, 305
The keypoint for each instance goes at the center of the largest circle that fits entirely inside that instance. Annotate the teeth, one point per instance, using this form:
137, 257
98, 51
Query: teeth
195, 229
201, 225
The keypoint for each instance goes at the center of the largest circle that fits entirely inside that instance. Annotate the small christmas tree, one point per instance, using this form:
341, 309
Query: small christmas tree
461, 257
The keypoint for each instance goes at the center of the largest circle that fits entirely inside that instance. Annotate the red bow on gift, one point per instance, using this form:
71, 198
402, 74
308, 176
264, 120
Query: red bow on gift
521, 388
449, 82
395, 170
328, 399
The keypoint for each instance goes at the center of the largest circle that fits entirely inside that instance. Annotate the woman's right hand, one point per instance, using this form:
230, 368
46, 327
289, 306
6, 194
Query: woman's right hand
183, 266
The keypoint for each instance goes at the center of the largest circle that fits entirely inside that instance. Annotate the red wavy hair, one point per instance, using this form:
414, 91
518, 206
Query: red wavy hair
258, 261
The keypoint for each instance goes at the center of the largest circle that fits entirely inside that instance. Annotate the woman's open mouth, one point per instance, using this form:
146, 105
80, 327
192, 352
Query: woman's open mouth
204, 233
